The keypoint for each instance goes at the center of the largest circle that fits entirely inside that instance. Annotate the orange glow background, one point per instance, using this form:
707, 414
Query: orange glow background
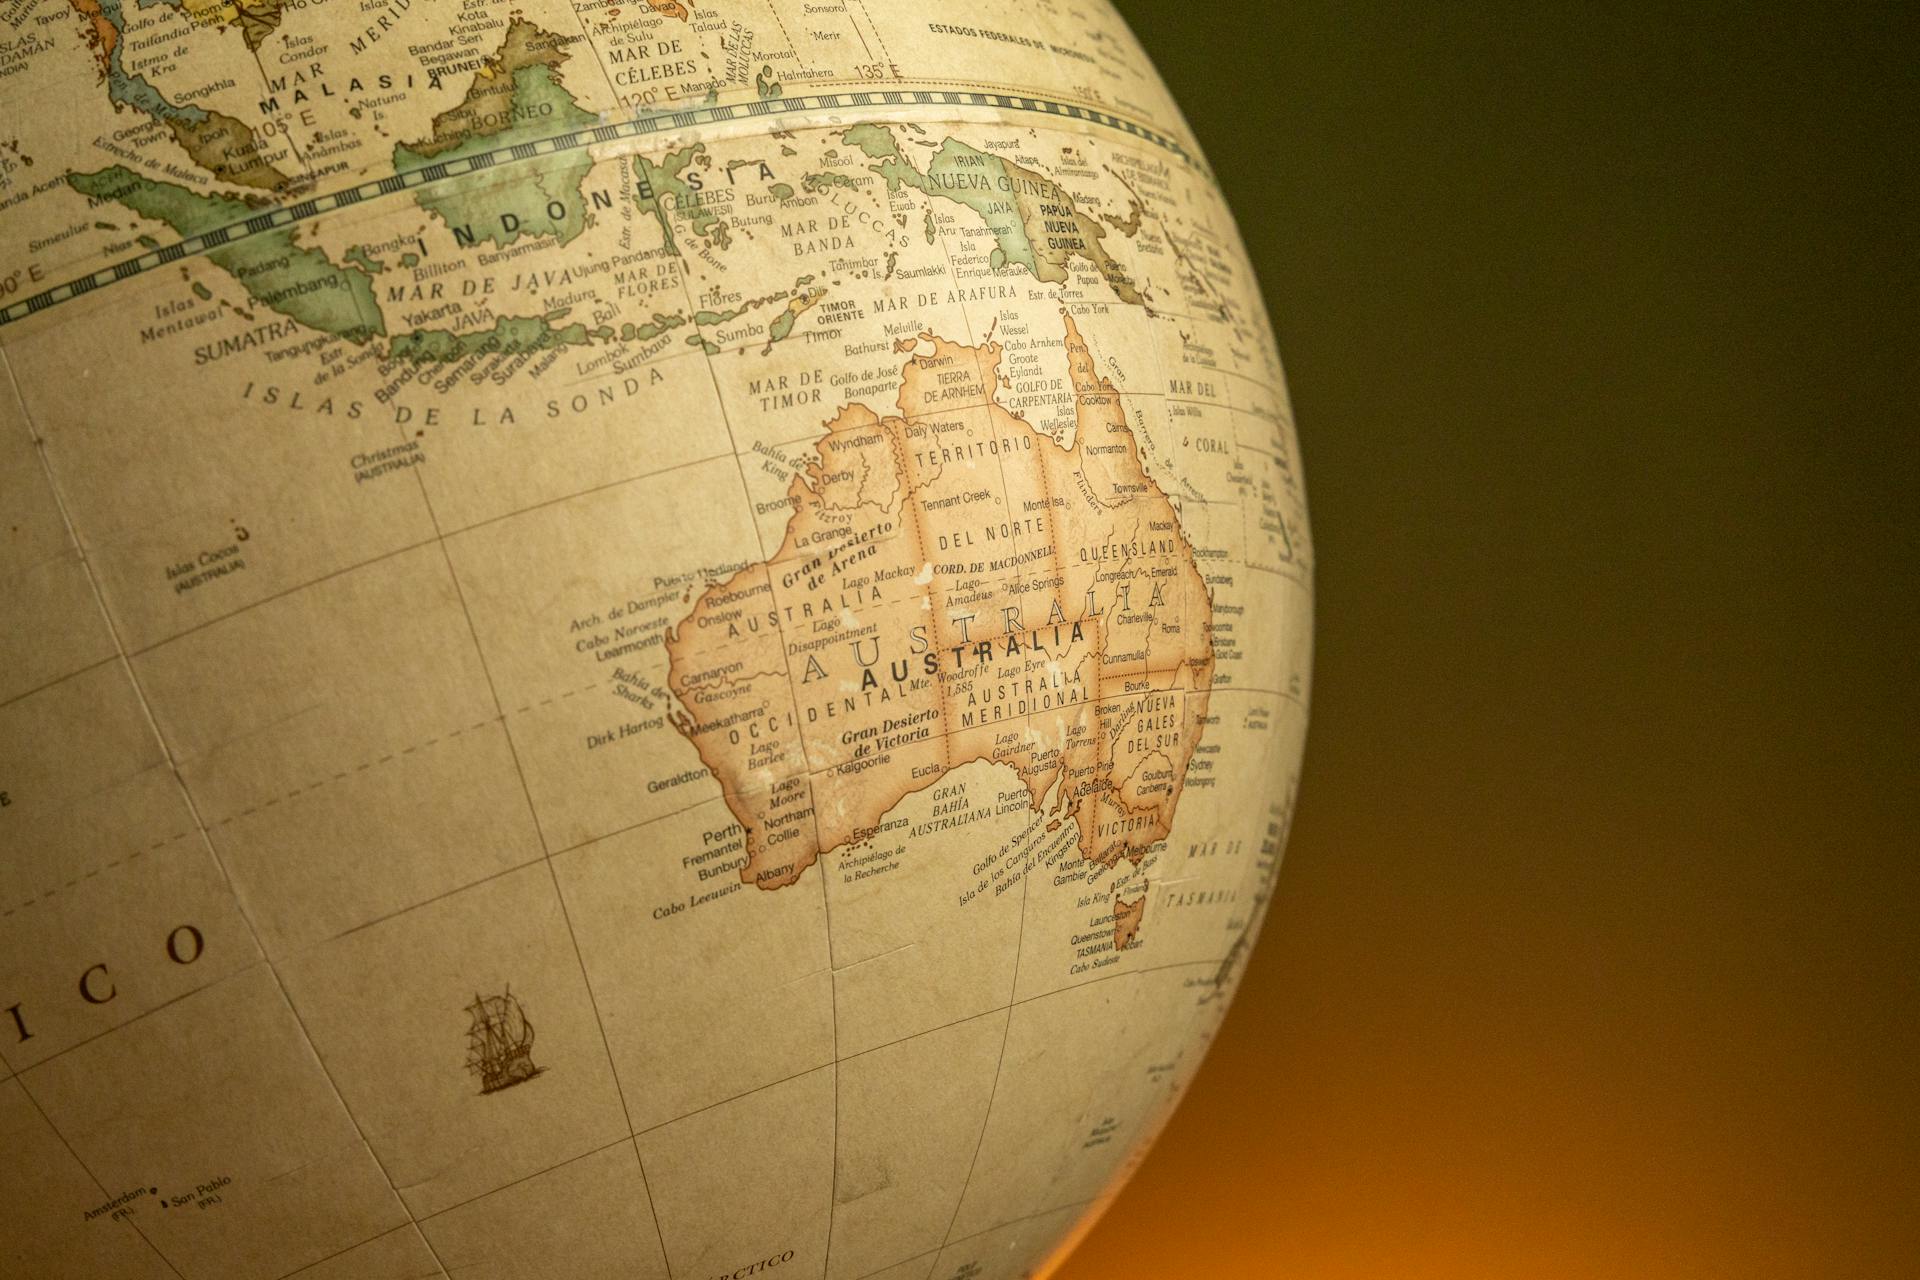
1596, 951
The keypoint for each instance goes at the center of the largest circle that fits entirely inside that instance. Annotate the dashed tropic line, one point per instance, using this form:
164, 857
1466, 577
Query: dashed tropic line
88, 875
338, 776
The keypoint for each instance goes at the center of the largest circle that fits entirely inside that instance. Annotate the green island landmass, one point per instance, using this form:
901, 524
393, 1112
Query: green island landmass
305, 285
816, 182
518, 96
674, 176
797, 305
359, 257
1128, 226
1035, 223
661, 322
300, 283
875, 140
218, 143
510, 335
709, 319
798, 300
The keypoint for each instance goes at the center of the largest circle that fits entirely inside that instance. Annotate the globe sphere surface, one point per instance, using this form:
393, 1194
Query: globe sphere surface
664, 639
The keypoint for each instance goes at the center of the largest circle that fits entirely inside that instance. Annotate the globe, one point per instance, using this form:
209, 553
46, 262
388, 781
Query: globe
642, 638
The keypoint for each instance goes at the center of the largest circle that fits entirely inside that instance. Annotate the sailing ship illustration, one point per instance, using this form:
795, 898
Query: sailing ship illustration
500, 1042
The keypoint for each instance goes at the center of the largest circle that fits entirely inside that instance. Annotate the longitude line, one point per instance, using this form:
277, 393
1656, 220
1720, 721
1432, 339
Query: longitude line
833, 985
540, 833
358, 1244
993, 1091
633, 127
41, 1111
548, 855
1006, 1031
206, 836
975, 1235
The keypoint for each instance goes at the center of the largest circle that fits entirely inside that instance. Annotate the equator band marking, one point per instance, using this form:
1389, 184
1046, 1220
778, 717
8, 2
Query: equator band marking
574, 140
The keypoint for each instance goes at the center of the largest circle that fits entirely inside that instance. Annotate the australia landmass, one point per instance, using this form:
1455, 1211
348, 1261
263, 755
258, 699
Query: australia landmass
954, 585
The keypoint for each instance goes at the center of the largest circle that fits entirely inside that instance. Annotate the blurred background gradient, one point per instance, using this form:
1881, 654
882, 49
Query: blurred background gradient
1596, 949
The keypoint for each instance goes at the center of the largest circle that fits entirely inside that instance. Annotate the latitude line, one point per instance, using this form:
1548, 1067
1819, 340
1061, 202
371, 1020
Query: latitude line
993, 1090
703, 1108
641, 126
553, 876
975, 1235
392, 552
503, 717
1020, 937
47, 1120
361, 1244
807, 1071
826, 906
803, 441
946, 735
206, 842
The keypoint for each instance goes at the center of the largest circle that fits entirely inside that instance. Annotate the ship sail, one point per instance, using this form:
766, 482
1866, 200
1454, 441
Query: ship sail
499, 1041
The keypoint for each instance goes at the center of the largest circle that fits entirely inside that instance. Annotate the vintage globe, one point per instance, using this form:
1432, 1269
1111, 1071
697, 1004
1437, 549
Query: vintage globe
658, 639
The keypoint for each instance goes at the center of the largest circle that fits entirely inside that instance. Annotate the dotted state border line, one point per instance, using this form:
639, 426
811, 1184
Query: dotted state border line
642, 126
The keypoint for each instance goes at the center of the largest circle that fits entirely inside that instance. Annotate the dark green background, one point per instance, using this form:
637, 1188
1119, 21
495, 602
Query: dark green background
1595, 951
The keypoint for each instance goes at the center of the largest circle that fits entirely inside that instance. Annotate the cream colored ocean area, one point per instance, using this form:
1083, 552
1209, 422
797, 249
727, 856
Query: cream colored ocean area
575, 583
